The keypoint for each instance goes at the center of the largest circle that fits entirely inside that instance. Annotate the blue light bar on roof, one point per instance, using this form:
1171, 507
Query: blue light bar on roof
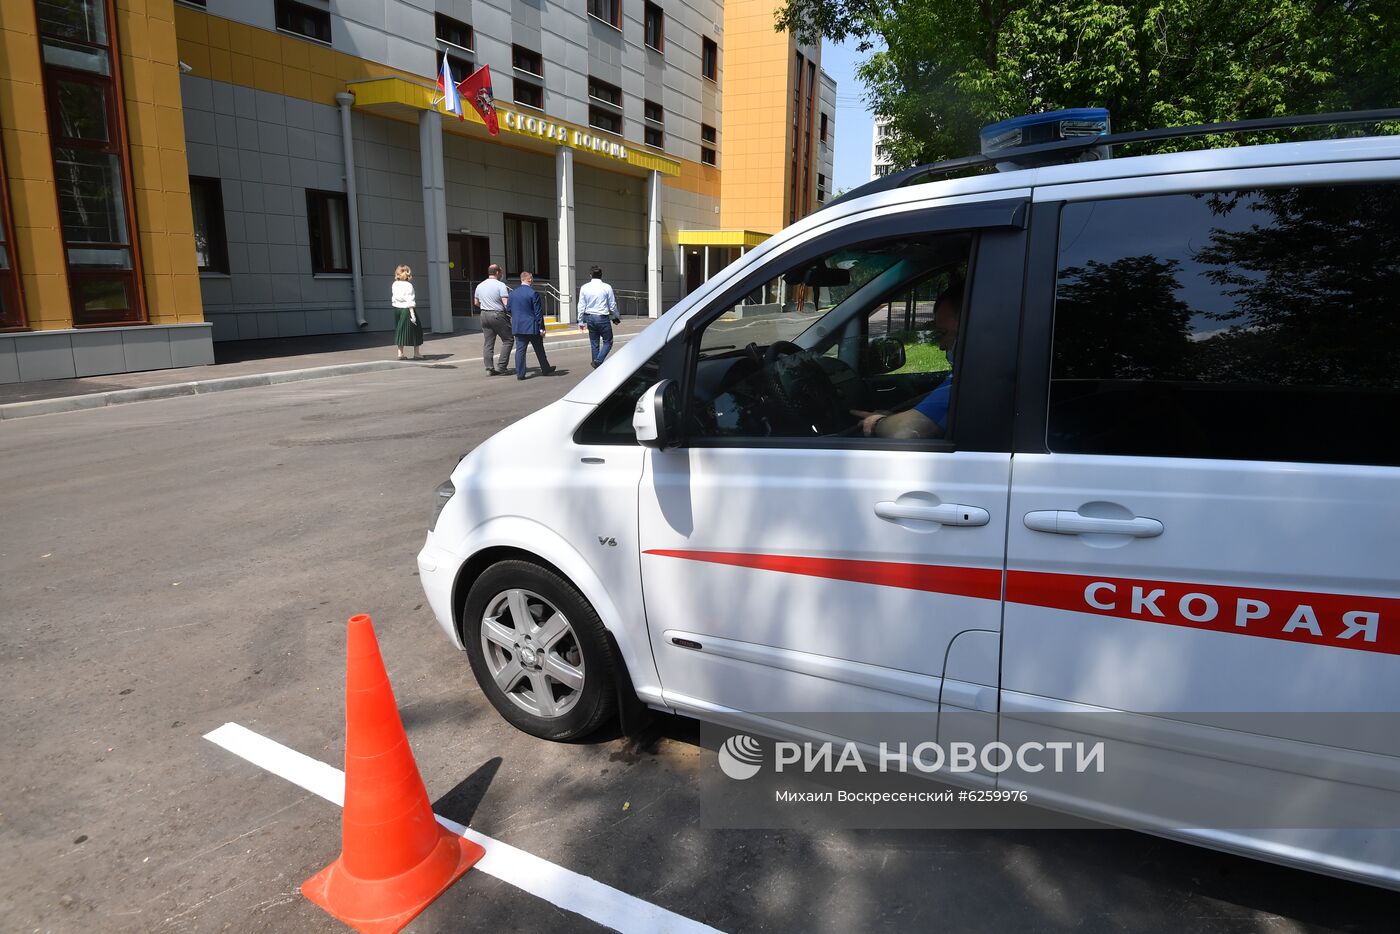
1032, 129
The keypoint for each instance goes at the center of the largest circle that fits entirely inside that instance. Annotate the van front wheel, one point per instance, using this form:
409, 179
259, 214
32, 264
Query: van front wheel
539, 651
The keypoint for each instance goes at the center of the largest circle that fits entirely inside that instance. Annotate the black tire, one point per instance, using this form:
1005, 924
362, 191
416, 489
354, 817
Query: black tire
596, 702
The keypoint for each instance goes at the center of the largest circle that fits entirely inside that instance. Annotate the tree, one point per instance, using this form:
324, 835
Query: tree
949, 67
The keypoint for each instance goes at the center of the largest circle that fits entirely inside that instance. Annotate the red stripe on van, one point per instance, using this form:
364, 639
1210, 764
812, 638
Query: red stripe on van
1346, 621
984, 583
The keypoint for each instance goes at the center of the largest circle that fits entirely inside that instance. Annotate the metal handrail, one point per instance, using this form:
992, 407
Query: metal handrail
630, 302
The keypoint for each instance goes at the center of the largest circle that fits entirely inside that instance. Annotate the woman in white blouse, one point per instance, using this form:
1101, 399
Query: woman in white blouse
407, 331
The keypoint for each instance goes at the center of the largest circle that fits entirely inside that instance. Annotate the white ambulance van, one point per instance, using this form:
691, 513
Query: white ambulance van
1116, 436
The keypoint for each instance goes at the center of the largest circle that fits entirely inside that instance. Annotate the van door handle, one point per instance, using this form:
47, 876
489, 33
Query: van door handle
944, 513
1069, 522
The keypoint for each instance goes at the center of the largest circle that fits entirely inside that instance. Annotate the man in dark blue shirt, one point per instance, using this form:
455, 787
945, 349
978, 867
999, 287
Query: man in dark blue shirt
527, 324
928, 419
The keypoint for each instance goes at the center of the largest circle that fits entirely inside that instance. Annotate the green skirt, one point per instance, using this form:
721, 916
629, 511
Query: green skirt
406, 333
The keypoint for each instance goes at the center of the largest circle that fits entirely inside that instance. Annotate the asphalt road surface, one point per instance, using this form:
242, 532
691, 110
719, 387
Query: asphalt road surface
170, 566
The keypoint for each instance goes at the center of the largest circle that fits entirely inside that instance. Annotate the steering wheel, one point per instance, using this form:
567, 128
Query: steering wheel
804, 390
779, 349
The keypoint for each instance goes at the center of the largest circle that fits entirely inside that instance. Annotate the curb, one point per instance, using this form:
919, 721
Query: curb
98, 400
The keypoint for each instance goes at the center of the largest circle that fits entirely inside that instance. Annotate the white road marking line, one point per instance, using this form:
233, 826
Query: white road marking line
563, 887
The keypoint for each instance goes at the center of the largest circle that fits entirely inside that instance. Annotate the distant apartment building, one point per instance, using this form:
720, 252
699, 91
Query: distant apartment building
174, 173
880, 162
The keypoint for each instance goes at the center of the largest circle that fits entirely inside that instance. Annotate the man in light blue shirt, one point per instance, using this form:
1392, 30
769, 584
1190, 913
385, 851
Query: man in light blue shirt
597, 311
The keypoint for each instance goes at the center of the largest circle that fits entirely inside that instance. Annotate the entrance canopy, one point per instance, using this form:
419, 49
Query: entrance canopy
402, 99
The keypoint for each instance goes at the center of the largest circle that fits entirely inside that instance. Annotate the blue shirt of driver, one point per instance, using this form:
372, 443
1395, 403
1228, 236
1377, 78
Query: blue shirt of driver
934, 406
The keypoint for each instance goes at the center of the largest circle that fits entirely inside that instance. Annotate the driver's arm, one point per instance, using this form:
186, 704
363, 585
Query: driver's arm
908, 424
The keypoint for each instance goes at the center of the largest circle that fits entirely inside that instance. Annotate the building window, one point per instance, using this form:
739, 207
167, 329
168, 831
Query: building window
11, 305
823, 128
530, 95
709, 136
328, 222
529, 62
454, 32
605, 119
210, 241
709, 59
609, 11
527, 245
655, 27
655, 137
461, 67
653, 112
601, 90
91, 171
308, 21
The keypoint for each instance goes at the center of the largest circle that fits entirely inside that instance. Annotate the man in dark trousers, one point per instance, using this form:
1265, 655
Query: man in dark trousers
527, 323
491, 296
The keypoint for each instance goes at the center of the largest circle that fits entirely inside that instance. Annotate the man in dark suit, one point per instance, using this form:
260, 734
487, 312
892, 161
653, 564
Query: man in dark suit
527, 324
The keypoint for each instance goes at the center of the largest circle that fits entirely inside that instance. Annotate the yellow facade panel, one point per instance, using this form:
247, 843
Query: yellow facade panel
27, 155
221, 65
155, 255
135, 35
195, 27
178, 215
163, 45
150, 209
170, 127
34, 206
138, 77
197, 57
19, 48
46, 299
145, 167
296, 82
188, 301
296, 55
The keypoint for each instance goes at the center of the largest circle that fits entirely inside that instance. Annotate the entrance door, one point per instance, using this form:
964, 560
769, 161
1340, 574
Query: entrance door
792, 566
468, 256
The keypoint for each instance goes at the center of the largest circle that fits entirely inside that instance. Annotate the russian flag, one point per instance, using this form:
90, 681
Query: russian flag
451, 100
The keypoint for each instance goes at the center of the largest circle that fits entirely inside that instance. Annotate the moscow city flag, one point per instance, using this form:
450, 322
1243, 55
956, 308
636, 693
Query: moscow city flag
476, 90
451, 101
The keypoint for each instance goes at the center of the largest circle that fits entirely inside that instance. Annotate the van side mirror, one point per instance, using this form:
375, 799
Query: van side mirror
656, 415
883, 355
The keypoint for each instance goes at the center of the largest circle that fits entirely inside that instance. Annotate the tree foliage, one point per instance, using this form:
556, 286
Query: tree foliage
947, 67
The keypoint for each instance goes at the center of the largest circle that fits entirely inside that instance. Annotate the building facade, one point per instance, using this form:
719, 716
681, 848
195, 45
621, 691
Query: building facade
265, 164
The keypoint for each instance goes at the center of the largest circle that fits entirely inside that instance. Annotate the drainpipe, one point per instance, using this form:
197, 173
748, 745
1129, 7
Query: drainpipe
345, 99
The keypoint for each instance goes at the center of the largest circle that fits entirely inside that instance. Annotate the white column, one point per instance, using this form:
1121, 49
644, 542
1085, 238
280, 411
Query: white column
357, 286
564, 198
435, 220
654, 244
705, 277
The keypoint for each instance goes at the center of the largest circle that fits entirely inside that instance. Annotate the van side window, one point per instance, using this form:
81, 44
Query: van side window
821, 349
611, 421
1258, 324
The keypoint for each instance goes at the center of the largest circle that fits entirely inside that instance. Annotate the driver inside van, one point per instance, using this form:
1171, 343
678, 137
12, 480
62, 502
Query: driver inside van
928, 419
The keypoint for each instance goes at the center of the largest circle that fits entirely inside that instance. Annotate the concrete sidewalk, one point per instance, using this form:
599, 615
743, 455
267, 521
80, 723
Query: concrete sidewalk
241, 364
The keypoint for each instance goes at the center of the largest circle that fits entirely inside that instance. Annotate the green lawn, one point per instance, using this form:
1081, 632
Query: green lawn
923, 358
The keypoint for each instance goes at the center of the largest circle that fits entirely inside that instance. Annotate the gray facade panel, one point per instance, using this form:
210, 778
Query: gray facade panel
45, 356
190, 347
98, 352
9, 363
146, 350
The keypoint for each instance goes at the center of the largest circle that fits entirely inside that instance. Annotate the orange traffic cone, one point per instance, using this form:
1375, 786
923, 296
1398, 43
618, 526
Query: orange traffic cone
395, 858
